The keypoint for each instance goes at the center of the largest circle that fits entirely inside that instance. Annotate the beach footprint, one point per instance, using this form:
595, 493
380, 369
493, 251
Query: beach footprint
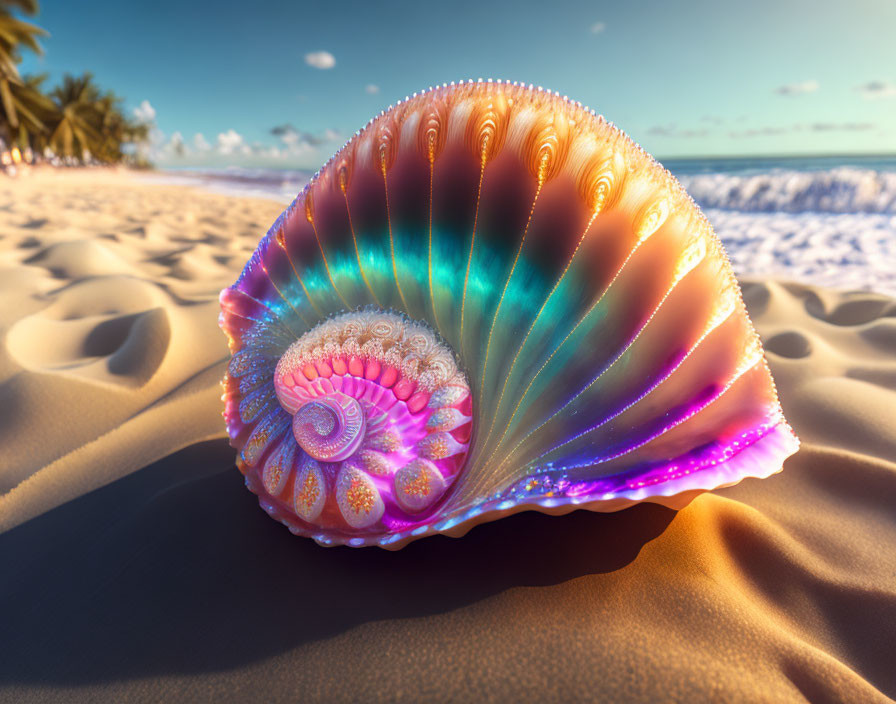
756, 296
843, 309
791, 344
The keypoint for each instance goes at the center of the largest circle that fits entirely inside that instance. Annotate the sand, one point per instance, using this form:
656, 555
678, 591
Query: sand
134, 565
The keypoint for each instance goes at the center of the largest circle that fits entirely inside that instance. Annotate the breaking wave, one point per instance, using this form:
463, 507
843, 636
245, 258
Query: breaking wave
840, 190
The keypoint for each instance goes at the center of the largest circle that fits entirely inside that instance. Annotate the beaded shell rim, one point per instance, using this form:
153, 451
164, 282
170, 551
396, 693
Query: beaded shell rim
676, 494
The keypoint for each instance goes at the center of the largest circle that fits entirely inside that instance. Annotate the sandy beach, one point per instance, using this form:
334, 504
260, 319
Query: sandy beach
136, 566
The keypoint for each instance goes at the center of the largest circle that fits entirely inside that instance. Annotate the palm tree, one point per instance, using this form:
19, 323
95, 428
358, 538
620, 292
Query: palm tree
115, 129
88, 121
75, 130
33, 111
76, 119
29, 7
20, 105
15, 32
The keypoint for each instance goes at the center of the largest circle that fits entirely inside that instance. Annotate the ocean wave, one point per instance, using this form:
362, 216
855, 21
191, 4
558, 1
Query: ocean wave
839, 190
276, 184
855, 251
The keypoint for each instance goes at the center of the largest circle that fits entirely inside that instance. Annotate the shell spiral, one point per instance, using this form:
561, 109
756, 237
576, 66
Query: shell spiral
490, 300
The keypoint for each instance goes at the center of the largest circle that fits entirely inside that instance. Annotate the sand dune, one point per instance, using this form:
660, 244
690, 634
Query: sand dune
137, 567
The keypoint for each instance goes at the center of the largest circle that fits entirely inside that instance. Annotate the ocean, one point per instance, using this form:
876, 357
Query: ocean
829, 221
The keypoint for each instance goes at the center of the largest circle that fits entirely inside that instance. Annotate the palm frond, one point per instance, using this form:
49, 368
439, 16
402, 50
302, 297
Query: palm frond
29, 7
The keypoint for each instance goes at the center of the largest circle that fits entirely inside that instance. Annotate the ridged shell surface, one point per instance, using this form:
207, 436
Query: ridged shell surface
490, 300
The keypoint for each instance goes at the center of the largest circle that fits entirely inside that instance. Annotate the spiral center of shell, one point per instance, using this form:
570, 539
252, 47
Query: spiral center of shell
382, 416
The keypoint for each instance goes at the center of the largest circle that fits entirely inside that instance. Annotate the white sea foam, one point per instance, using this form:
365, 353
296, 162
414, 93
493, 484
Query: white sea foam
838, 250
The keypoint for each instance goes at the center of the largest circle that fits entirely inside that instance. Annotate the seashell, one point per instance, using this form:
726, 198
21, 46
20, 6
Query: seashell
490, 300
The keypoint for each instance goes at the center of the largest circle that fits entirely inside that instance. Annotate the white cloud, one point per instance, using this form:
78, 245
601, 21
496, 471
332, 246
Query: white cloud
290, 137
294, 148
231, 142
266, 151
841, 126
372, 89
798, 88
293, 137
176, 144
302, 150
145, 113
802, 127
153, 145
598, 27
320, 59
199, 143
676, 132
877, 89
156, 136
760, 132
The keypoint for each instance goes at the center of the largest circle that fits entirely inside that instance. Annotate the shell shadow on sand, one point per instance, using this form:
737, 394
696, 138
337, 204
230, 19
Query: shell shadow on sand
173, 570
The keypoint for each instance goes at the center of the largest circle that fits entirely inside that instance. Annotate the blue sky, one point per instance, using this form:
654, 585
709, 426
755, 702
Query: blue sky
686, 78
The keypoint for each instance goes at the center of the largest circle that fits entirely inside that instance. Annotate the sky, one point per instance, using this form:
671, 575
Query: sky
283, 84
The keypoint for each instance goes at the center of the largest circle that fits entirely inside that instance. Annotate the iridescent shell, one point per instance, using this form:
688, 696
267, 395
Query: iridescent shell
490, 300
